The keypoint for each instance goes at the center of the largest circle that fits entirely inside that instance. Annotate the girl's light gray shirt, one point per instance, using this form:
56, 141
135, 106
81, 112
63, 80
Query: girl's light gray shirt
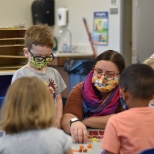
47, 141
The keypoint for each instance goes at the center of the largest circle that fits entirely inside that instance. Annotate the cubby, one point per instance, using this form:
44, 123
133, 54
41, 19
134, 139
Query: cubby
11, 48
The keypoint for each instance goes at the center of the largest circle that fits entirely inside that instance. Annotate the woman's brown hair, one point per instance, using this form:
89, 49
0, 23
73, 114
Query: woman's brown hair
28, 105
113, 56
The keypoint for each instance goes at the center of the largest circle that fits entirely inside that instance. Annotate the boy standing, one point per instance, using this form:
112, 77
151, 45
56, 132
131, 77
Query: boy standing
39, 42
132, 131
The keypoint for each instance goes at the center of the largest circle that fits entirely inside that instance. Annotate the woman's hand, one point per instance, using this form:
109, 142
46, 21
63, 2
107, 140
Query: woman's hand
79, 132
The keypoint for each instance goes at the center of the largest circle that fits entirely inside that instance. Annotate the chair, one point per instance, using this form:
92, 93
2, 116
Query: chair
148, 151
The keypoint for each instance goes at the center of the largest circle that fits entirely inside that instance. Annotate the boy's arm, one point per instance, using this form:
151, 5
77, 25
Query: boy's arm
59, 110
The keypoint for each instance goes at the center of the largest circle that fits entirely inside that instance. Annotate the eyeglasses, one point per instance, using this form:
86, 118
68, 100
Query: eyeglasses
107, 74
39, 59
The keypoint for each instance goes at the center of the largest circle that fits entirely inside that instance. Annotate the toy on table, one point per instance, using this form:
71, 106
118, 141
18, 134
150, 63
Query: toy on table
93, 136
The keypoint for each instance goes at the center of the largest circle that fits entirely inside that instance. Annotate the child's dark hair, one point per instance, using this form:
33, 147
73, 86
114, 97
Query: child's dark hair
138, 80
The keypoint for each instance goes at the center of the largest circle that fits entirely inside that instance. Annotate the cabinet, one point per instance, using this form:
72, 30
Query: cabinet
11, 48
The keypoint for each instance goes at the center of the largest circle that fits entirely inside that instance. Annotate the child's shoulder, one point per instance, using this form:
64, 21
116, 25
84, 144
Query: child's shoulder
131, 113
23, 70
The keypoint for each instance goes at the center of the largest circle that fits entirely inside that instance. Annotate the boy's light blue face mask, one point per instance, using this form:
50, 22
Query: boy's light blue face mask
123, 103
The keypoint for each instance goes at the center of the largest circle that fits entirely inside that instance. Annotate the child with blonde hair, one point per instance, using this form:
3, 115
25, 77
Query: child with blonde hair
28, 118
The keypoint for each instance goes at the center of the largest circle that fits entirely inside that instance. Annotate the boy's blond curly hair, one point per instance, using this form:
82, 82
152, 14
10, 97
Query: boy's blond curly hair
39, 35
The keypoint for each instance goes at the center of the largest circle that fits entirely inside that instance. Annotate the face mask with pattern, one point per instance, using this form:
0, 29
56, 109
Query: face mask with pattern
38, 65
104, 84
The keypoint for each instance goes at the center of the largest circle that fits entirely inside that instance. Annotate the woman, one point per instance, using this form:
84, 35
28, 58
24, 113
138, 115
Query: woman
92, 102
28, 118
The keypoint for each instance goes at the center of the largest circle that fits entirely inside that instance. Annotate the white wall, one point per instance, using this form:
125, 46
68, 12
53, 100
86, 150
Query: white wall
79, 9
143, 30
15, 12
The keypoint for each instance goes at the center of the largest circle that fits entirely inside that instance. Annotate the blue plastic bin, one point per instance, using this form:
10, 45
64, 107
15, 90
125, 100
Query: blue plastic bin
77, 70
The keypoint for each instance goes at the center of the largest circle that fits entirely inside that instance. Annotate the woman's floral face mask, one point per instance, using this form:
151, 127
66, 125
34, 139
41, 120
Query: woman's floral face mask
104, 83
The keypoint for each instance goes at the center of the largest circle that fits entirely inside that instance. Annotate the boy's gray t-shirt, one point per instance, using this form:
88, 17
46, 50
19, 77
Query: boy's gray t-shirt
51, 78
46, 141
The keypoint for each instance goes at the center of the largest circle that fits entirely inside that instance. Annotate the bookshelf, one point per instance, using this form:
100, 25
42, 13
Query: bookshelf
11, 48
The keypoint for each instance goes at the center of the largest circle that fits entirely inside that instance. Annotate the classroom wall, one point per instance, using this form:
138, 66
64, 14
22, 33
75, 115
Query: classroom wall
16, 12
84, 9
143, 30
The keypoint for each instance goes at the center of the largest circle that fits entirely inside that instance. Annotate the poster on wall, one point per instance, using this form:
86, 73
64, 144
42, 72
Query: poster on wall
100, 28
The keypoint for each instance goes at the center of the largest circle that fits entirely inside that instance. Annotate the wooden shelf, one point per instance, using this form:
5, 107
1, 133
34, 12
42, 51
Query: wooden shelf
12, 29
6, 39
10, 67
7, 72
11, 48
11, 56
12, 45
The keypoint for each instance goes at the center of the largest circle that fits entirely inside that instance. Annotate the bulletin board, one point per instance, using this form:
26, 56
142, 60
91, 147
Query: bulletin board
100, 28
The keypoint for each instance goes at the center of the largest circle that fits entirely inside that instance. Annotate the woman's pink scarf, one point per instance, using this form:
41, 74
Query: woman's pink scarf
92, 105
